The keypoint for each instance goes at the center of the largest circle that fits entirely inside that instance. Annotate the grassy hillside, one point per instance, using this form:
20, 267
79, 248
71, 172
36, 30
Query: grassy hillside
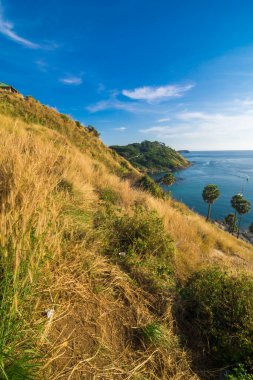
94, 271
152, 156
31, 111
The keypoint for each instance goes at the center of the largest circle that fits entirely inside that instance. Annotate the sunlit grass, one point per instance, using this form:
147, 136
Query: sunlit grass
54, 256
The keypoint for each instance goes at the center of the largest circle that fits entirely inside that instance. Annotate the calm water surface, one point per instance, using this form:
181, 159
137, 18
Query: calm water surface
232, 171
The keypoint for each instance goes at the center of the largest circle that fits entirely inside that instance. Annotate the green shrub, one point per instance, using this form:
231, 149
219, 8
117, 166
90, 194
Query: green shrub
140, 244
78, 124
217, 310
109, 195
141, 233
93, 130
168, 179
231, 221
239, 373
148, 184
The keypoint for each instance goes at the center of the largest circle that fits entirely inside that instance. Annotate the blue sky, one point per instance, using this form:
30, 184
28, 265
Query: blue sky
177, 71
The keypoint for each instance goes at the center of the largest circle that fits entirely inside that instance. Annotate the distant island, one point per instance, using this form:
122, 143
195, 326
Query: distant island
153, 157
183, 151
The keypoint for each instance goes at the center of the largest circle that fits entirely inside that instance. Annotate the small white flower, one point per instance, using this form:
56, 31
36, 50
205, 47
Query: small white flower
50, 313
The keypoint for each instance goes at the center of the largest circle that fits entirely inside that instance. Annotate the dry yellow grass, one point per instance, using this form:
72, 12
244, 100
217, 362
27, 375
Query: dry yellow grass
50, 190
197, 240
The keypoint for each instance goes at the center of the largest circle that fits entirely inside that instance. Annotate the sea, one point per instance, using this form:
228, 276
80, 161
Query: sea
231, 171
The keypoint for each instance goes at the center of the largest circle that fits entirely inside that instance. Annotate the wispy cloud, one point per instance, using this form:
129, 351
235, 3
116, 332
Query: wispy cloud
206, 130
144, 99
150, 94
42, 65
121, 129
71, 80
246, 102
164, 120
7, 29
200, 116
114, 103
155, 129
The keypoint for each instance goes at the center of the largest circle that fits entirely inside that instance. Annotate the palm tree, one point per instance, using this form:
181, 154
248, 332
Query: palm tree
209, 195
242, 206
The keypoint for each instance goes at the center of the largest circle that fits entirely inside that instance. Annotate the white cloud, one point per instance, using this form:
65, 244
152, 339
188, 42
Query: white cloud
71, 80
164, 120
206, 130
144, 99
114, 103
158, 129
247, 102
201, 116
7, 29
121, 129
150, 94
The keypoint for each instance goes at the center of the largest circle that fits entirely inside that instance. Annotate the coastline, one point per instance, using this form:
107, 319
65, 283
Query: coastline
168, 170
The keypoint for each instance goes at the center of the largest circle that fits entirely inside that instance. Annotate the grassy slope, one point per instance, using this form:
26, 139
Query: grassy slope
59, 206
152, 156
31, 111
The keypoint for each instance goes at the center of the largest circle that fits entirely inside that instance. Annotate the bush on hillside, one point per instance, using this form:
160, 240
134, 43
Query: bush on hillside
231, 222
239, 373
141, 233
168, 179
140, 244
217, 310
93, 130
78, 124
148, 184
109, 195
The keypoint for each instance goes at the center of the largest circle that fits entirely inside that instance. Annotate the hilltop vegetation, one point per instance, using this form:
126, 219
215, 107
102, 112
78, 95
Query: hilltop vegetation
101, 279
153, 156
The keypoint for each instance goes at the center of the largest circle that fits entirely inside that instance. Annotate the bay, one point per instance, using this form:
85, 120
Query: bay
232, 171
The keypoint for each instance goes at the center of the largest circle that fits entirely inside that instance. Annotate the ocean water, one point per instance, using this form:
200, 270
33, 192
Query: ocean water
232, 171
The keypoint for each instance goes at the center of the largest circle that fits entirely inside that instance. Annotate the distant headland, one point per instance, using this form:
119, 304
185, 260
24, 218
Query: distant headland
183, 151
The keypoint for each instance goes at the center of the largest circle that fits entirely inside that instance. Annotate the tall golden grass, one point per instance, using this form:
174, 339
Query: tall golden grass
49, 193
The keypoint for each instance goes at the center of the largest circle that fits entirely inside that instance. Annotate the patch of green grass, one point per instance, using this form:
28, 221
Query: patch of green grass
141, 233
77, 213
152, 333
19, 358
139, 243
79, 222
217, 307
109, 195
